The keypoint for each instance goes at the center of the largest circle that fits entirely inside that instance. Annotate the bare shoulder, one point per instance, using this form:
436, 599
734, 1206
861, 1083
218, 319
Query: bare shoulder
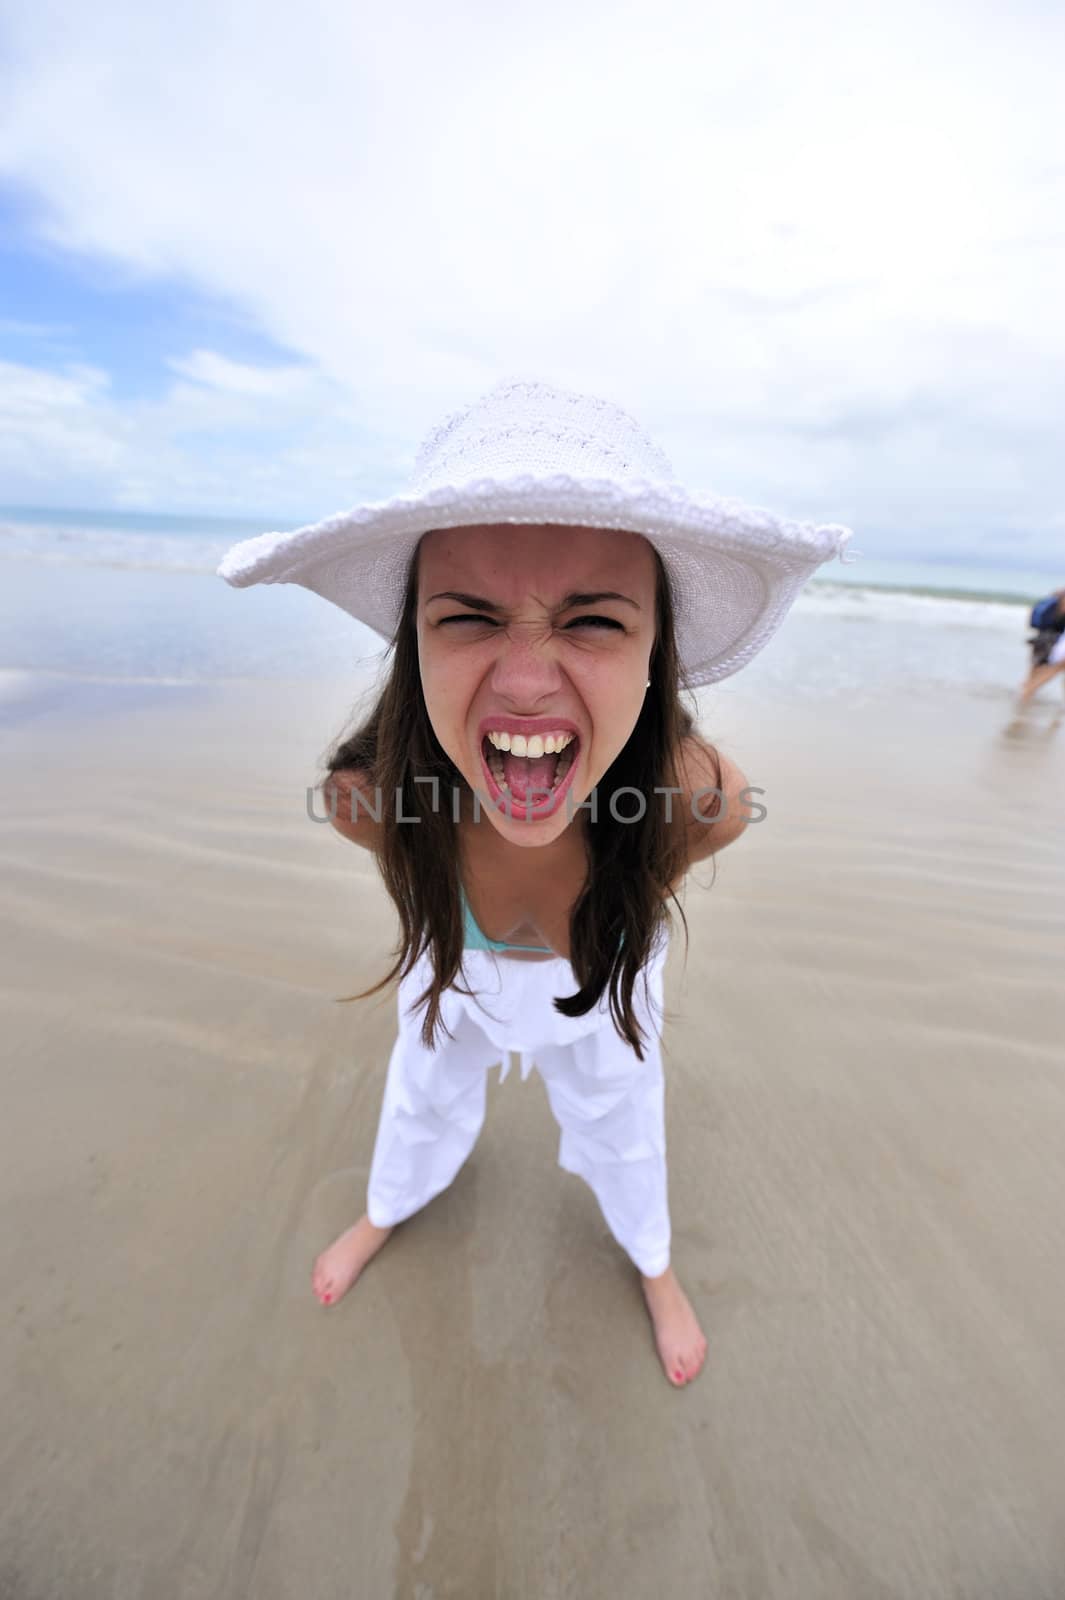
351, 803
714, 803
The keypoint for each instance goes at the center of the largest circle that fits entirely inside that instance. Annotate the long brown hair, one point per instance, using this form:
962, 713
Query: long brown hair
631, 865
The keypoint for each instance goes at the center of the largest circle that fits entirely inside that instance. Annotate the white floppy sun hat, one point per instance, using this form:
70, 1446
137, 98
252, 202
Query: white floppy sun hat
531, 453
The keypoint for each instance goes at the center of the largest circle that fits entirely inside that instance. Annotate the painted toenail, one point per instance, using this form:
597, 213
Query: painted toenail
678, 1376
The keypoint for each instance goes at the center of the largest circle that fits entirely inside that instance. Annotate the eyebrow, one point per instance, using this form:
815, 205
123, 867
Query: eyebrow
478, 603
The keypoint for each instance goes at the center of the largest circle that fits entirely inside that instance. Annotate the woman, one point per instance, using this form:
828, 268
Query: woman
533, 789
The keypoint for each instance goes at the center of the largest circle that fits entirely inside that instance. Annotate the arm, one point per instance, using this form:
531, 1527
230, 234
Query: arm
349, 797
727, 812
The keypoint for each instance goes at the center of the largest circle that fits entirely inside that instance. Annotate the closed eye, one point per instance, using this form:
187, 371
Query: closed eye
578, 622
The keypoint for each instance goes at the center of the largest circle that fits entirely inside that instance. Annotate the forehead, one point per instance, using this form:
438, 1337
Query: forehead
508, 561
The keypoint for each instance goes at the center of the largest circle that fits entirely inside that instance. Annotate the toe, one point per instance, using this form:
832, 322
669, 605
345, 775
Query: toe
695, 1363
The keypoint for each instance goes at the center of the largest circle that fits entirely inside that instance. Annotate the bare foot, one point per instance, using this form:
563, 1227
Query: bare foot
680, 1341
337, 1268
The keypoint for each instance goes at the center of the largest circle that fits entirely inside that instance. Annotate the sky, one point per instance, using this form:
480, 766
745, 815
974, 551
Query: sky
251, 253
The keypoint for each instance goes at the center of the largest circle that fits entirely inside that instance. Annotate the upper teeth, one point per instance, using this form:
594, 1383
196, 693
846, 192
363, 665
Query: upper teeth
538, 745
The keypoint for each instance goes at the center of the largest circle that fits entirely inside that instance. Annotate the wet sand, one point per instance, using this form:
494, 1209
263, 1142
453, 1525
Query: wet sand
866, 1117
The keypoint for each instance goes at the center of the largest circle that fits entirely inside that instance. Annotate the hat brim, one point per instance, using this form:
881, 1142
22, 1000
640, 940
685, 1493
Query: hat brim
735, 570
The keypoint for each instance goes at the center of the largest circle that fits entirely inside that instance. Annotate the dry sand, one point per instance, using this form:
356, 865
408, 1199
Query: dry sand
866, 1114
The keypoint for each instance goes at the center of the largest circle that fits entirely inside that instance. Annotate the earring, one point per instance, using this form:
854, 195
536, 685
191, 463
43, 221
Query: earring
648, 683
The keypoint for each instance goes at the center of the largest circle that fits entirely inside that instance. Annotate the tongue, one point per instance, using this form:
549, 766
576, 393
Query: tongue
525, 774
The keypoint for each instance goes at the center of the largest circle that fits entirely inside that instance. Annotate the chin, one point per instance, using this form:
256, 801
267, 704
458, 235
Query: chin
527, 835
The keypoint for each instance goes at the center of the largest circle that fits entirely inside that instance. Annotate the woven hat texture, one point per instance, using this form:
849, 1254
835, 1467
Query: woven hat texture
528, 452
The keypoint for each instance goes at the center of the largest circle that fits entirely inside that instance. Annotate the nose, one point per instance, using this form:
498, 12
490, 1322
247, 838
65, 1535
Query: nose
525, 672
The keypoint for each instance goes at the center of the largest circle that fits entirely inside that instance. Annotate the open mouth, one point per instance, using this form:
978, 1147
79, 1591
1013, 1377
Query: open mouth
529, 772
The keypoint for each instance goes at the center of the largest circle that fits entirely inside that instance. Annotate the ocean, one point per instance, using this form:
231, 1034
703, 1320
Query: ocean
113, 598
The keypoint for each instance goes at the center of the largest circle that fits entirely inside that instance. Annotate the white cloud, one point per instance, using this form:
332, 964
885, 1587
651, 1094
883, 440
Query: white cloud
215, 371
815, 248
248, 443
52, 424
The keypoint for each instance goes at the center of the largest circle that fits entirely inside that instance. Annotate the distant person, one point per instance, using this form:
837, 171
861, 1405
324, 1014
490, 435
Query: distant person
1047, 643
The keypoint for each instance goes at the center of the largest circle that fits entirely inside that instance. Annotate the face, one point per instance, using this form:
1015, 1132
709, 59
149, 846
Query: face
534, 633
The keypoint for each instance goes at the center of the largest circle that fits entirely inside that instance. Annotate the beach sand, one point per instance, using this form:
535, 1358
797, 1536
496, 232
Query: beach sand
866, 1117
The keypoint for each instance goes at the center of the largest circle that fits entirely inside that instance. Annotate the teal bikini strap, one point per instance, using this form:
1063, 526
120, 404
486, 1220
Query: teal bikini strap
477, 939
